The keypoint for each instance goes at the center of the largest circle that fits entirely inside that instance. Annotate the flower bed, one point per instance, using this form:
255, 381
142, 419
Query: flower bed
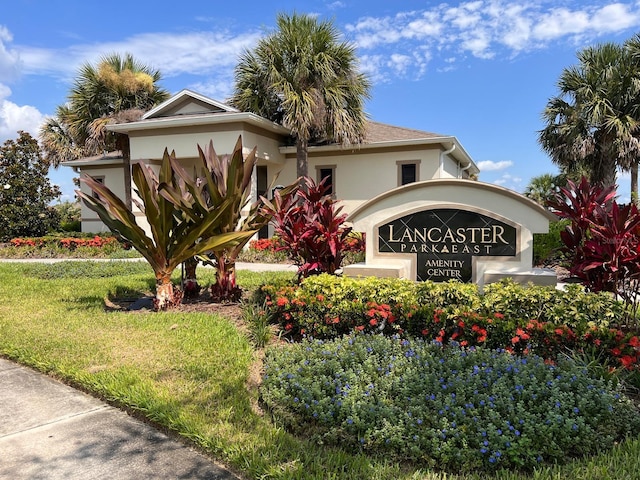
517, 319
452, 408
52, 246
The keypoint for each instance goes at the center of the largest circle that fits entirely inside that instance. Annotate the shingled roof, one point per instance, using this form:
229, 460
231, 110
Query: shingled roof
381, 132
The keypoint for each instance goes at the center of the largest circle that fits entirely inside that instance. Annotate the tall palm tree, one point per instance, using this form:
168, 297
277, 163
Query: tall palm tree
632, 47
118, 89
303, 77
591, 123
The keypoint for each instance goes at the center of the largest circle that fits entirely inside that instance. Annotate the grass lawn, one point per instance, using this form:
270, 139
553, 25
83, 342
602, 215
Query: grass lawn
191, 373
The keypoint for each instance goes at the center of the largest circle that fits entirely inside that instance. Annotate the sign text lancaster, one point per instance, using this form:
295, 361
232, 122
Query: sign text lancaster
445, 240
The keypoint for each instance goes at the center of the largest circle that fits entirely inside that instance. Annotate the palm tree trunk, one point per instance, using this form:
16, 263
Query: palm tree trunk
634, 182
125, 148
302, 157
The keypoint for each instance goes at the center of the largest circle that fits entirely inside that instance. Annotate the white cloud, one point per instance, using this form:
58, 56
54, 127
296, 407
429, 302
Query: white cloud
9, 58
509, 181
15, 117
490, 166
198, 53
488, 28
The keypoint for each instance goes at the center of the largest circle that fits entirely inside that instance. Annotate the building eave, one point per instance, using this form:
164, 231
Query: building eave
196, 120
459, 153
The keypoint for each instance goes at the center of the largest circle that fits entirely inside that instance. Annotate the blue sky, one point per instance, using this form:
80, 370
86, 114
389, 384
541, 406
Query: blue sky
480, 70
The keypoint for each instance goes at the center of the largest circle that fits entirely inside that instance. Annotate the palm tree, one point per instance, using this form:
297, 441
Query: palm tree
303, 77
542, 189
632, 47
119, 89
591, 123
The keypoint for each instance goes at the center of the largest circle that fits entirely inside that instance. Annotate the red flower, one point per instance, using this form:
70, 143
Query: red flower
288, 326
616, 351
464, 343
373, 322
282, 301
360, 327
627, 361
634, 342
425, 331
515, 340
522, 334
498, 315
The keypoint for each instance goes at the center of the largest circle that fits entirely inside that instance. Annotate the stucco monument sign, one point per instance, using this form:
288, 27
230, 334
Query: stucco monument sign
483, 235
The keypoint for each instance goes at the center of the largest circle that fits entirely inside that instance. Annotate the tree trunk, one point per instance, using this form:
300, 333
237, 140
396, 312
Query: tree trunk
125, 148
603, 172
190, 285
634, 182
165, 293
225, 288
302, 161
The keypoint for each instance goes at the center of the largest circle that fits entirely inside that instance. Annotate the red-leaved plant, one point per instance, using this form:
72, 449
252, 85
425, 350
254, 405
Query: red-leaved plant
310, 227
603, 239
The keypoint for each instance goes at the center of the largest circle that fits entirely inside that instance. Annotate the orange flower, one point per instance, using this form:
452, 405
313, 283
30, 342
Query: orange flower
522, 334
282, 301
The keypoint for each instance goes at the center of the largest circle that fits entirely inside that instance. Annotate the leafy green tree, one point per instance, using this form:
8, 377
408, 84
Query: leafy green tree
303, 77
119, 89
542, 189
69, 216
25, 190
176, 234
592, 123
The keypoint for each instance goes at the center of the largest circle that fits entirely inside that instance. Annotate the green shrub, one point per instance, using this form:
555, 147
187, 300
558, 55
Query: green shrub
439, 406
521, 319
547, 247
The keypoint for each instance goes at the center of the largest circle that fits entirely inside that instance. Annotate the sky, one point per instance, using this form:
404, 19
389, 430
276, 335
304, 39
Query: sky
481, 71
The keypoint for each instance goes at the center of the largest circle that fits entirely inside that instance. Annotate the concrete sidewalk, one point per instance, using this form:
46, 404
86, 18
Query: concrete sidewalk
51, 431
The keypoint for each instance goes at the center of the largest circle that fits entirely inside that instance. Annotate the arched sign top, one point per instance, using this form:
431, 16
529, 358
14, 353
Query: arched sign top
475, 195
451, 229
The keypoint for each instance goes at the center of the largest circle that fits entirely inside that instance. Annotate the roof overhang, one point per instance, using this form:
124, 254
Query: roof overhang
446, 143
197, 120
96, 161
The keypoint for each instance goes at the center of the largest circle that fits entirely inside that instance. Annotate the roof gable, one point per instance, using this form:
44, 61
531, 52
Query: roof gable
186, 103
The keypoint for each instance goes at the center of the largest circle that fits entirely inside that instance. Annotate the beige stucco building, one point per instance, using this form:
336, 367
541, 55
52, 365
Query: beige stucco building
388, 157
